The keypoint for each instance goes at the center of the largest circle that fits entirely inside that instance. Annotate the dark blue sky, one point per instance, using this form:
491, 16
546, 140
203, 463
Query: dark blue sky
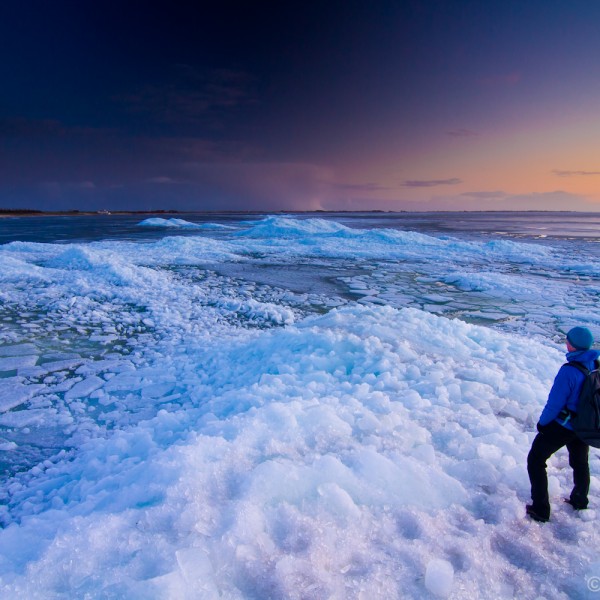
300, 105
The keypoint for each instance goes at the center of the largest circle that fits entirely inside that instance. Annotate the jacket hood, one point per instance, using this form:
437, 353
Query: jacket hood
583, 356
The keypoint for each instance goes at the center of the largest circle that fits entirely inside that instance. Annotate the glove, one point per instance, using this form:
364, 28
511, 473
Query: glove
543, 428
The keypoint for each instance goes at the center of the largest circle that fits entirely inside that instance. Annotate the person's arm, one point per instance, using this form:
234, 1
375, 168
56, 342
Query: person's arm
561, 390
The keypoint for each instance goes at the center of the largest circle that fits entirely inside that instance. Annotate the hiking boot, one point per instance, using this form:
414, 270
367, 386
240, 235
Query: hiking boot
534, 515
575, 505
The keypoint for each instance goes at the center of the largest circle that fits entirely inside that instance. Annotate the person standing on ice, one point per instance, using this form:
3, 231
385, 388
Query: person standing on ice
555, 431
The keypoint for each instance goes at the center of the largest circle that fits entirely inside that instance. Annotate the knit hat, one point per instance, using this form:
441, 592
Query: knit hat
580, 338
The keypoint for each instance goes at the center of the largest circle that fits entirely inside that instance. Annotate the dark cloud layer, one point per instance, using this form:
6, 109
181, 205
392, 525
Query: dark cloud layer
485, 195
423, 183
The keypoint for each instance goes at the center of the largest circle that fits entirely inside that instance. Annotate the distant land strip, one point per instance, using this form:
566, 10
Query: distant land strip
28, 212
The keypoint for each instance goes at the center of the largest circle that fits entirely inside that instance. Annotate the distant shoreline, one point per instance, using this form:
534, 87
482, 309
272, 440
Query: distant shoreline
82, 213
11, 213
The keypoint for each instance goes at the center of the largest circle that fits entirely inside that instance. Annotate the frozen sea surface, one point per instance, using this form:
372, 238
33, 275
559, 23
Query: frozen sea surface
288, 407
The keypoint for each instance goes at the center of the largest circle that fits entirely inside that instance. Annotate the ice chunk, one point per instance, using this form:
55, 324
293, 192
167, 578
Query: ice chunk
439, 577
284, 227
25, 418
14, 392
438, 298
197, 571
156, 390
84, 388
553, 485
172, 223
12, 363
61, 365
18, 350
339, 502
127, 381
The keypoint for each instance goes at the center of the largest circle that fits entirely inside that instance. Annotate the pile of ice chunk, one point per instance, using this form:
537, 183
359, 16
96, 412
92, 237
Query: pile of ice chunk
366, 453
174, 223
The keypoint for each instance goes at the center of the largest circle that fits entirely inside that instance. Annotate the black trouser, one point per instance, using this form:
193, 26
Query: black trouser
544, 445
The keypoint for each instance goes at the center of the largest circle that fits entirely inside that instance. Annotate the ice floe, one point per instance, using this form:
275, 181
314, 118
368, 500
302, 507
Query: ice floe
307, 424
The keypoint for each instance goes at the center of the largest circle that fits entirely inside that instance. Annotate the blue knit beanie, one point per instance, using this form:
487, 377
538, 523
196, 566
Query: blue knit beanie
580, 338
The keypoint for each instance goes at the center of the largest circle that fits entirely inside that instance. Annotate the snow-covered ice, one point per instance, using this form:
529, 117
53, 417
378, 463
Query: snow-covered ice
189, 419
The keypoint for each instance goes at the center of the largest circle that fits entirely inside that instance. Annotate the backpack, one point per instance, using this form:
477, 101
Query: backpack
586, 421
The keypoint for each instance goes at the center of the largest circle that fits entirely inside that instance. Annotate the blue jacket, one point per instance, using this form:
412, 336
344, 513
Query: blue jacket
566, 387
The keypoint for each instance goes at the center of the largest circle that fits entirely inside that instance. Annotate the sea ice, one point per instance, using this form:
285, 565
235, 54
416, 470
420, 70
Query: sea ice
242, 439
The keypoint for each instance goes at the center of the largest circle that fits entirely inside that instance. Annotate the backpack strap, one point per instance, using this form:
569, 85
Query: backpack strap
581, 368
566, 414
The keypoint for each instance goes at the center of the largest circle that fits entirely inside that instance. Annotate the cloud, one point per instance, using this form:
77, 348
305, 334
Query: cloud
191, 96
462, 133
106, 157
161, 180
34, 129
360, 187
422, 183
501, 80
59, 189
485, 195
30, 128
560, 173
85, 185
261, 185
228, 185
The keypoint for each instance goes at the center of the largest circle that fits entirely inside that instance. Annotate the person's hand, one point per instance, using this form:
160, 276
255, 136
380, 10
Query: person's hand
543, 428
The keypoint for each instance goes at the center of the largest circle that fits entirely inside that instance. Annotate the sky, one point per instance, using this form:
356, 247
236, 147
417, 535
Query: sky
290, 105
